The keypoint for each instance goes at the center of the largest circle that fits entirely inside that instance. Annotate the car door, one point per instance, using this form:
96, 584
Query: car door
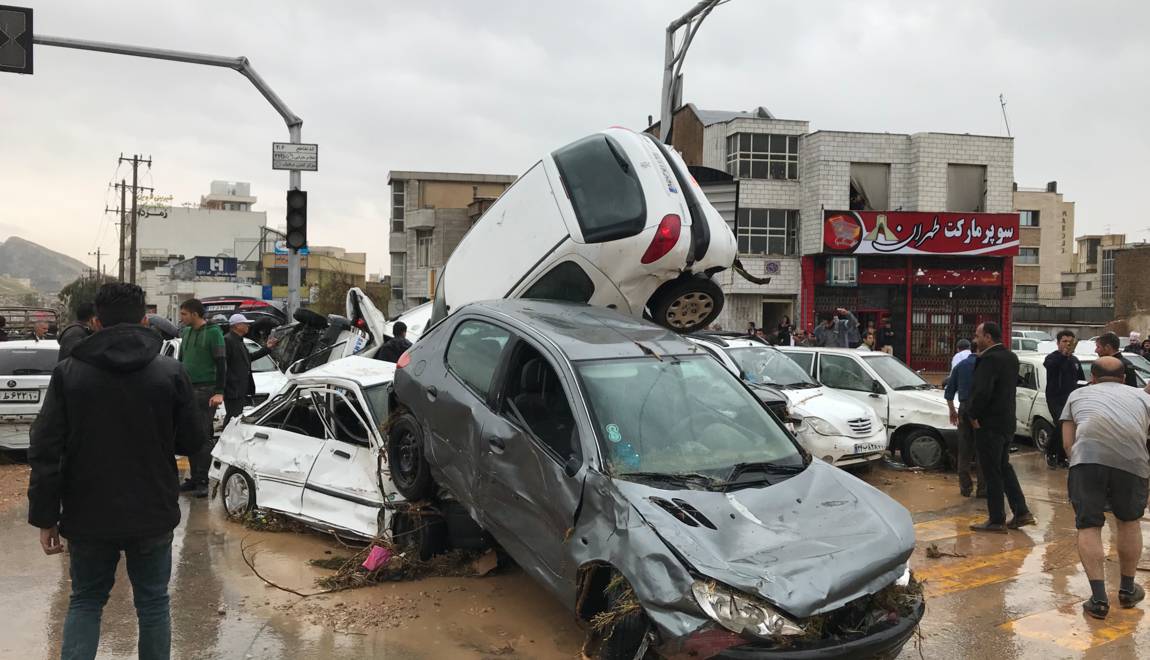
1025, 395
343, 488
281, 446
849, 376
531, 466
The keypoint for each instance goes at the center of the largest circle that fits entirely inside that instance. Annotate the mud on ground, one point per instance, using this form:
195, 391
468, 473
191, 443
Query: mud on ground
13, 484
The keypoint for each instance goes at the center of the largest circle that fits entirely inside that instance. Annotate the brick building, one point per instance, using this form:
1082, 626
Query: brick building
1130, 265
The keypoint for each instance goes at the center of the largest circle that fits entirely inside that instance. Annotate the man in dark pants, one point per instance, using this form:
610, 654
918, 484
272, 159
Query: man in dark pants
991, 411
1107, 345
202, 352
1063, 371
395, 346
74, 333
239, 384
104, 472
960, 381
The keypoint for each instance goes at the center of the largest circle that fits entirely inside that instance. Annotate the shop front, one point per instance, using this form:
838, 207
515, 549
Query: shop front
933, 276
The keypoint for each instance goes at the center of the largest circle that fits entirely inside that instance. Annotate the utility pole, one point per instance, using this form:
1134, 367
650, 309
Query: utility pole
123, 186
98, 253
135, 160
673, 62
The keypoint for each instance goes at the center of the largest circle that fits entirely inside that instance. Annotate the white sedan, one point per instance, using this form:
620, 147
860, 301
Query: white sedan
314, 452
25, 369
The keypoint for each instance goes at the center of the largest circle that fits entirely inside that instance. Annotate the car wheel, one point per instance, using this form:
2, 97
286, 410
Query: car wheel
419, 532
409, 469
687, 305
1042, 433
924, 449
239, 494
624, 636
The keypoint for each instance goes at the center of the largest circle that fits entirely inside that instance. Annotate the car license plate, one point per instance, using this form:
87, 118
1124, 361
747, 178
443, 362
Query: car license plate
869, 447
219, 308
20, 396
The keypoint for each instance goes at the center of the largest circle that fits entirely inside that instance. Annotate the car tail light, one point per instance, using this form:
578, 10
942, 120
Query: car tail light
254, 303
666, 236
403, 360
360, 323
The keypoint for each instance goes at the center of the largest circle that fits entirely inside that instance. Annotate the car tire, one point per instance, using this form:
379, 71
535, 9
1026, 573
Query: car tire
922, 448
625, 636
238, 494
410, 471
419, 532
1042, 433
687, 304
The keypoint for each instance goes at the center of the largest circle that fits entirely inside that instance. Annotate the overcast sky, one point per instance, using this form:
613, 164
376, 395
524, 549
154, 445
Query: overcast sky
490, 86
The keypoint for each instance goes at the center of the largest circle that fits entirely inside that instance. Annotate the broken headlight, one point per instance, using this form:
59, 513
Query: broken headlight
820, 426
741, 613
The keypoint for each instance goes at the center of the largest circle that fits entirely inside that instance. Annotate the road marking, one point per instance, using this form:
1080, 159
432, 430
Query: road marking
1069, 628
945, 528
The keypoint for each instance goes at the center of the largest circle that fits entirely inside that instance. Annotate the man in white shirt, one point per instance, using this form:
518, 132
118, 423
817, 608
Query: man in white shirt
962, 354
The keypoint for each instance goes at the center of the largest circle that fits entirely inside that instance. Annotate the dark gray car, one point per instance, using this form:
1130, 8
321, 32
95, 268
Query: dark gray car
648, 488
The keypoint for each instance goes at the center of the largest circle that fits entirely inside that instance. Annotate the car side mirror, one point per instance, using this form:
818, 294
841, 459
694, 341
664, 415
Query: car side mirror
571, 467
876, 387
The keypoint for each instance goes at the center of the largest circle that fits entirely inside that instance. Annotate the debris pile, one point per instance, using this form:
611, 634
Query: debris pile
351, 573
268, 521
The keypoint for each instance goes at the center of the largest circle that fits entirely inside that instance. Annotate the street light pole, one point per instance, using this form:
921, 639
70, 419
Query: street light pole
673, 61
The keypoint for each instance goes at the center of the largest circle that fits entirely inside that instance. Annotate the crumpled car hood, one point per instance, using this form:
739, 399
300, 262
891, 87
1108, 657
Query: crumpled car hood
809, 544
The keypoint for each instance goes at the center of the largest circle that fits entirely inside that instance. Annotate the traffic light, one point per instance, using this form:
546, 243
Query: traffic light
297, 219
15, 39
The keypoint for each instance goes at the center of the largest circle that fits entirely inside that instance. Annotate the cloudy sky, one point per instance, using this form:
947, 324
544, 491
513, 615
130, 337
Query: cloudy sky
463, 85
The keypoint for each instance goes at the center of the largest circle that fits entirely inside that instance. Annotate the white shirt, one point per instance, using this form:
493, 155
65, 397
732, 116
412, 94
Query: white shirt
959, 357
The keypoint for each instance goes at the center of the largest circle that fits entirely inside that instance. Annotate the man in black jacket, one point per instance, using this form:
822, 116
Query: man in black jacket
1063, 372
395, 346
74, 333
1107, 345
104, 471
991, 410
238, 383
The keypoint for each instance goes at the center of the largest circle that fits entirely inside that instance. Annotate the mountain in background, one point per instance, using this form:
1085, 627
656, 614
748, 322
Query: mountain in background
49, 270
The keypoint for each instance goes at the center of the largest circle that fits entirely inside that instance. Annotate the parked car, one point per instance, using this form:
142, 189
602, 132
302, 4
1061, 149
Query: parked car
914, 412
1034, 418
253, 308
614, 220
25, 369
1141, 367
635, 477
1037, 335
312, 452
1023, 344
829, 424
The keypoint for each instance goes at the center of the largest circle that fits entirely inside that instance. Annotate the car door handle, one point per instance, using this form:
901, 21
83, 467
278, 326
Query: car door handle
341, 453
261, 436
497, 444
432, 392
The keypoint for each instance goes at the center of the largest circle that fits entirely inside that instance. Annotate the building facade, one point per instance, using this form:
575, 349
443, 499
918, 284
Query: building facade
321, 265
430, 213
1046, 246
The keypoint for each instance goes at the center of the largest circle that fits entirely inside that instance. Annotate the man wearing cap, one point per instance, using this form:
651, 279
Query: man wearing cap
238, 384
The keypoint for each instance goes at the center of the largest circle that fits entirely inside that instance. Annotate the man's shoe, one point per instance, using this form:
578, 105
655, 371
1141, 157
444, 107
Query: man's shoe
188, 486
201, 491
965, 492
997, 528
1022, 521
1096, 609
1131, 598
1052, 462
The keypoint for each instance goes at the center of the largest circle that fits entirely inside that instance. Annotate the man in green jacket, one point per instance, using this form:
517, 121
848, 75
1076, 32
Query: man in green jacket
203, 355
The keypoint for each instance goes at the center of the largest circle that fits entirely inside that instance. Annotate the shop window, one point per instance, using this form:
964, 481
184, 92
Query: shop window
763, 156
423, 248
1069, 289
1027, 256
1028, 218
965, 188
870, 187
1026, 293
842, 271
768, 231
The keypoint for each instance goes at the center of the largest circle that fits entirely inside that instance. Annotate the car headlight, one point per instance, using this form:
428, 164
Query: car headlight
740, 613
820, 426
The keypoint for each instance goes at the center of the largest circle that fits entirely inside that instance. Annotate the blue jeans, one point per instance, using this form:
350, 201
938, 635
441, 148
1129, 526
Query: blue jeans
93, 569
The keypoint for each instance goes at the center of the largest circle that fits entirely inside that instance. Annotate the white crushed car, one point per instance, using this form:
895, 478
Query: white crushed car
25, 369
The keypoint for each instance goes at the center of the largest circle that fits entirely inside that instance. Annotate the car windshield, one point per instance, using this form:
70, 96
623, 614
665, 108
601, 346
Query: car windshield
761, 365
376, 396
264, 364
896, 374
28, 361
603, 187
685, 416
1140, 363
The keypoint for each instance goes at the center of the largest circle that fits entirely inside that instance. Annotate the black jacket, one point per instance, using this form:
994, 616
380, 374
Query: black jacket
72, 334
1062, 375
391, 350
103, 446
1131, 377
239, 383
992, 394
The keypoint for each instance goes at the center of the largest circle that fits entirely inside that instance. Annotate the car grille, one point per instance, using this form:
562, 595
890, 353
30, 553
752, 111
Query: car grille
860, 427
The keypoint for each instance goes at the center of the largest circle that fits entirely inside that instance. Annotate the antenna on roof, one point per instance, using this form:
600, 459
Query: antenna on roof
1002, 102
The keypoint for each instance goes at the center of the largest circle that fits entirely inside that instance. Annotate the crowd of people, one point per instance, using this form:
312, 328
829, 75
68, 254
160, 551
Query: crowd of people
837, 329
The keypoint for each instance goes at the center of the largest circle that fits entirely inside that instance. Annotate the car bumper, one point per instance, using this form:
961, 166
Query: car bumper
841, 450
15, 434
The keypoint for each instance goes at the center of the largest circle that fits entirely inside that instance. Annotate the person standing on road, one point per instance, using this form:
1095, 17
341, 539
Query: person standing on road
992, 416
1104, 432
886, 337
104, 473
395, 346
962, 353
837, 330
239, 385
784, 332
1063, 371
203, 353
1106, 345
959, 384
74, 333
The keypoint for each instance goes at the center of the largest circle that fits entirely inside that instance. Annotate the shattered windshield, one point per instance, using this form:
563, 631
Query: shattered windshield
761, 365
896, 374
674, 416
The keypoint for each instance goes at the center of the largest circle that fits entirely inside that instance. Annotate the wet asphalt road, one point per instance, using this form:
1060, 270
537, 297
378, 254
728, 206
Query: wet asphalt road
1009, 596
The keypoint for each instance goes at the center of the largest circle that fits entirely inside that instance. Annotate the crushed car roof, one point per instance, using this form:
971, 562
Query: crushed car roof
586, 332
365, 371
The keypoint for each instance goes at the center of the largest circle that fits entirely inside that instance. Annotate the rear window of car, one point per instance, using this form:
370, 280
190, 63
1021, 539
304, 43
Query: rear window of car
603, 187
567, 282
474, 352
27, 362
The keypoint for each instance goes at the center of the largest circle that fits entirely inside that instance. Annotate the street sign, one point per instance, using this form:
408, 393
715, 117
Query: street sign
15, 39
288, 156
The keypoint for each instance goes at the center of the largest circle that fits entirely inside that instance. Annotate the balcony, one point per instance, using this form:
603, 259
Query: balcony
421, 219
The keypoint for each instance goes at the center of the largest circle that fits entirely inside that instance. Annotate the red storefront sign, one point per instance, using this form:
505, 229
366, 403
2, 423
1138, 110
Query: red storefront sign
912, 232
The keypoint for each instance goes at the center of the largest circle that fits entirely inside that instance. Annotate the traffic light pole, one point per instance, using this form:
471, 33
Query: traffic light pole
238, 64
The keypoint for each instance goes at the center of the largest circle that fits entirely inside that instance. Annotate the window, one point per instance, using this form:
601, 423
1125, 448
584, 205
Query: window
27, 362
804, 360
397, 205
763, 156
1069, 289
474, 352
603, 187
842, 372
768, 231
965, 188
567, 282
1027, 256
347, 418
896, 374
1028, 218
842, 271
1026, 293
870, 187
535, 400
279, 276
1089, 285
1027, 377
439, 307
300, 416
423, 248
398, 275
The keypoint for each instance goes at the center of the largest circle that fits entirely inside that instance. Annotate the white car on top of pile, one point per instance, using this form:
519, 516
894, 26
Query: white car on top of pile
25, 369
830, 425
